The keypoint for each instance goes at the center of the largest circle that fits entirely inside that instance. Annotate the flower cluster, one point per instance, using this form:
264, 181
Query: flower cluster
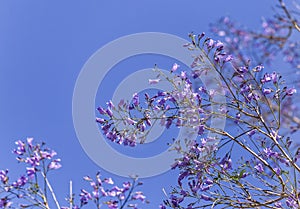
291, 54
220, 57
36, 156
261, 45
38, 160
261, 175
208, 172
115, 197
181, 107
252, 163
184, 106
30, 189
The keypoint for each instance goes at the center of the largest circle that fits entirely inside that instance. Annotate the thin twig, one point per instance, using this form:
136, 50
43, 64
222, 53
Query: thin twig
286, 11
52, 192
71, 195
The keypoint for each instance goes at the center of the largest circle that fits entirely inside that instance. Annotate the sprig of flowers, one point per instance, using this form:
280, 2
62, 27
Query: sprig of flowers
209, 174
32, 188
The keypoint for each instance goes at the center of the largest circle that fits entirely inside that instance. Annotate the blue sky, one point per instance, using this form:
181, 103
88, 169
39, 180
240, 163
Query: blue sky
43, 47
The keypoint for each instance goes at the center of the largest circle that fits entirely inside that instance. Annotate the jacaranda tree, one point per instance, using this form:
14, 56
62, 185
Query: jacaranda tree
253, 162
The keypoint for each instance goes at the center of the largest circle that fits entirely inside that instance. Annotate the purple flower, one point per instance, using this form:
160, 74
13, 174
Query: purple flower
251, 133
20, 149
20, 182
175, 201
141, 127
161, 93
276, 135
238, 117
205, 197
245, 88
105, 128
270, 77
258, 68
219, 57
266, 78
29, 141
30, 172
85, 197
183, 75
242, 69
111, 136
126, 185
178, 122
219, 45
109, 112
112, 204
48, 155
269, 153
130, 121
87, 178
290, 202
267, 91
161, 206
290, 91
154, 81
134, 206
209, 181
169, 123
201, 130
278, 204
96, 194
103, 192
274, 77
100, 120
110, 104
148, 121
5, 203
196, 73
139, 196
226, 162
277, 170
209, 43
3, 176
175, 67
200, 36
161, 101
182, 176
253, 96
205, 187
101, 110
259, 168
115, 191
33, 161
297, 154
228, 58
54, 164
136, 100
108, 181
184, 193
